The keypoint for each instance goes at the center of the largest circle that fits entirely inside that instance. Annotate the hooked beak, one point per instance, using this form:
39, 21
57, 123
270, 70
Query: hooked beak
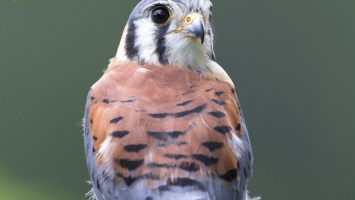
193, 26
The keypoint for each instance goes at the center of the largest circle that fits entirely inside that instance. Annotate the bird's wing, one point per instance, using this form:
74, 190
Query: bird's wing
95, 172
165, 127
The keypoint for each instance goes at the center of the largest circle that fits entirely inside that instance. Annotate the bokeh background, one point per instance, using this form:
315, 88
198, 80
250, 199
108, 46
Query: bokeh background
293, 63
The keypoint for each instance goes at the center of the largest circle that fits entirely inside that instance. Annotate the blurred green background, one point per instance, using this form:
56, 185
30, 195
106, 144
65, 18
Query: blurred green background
293, 63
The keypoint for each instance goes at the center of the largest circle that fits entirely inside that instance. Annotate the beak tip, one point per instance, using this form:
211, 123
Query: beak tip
202, 38
202, 32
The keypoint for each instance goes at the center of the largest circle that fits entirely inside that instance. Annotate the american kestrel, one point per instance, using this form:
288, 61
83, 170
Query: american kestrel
164, 122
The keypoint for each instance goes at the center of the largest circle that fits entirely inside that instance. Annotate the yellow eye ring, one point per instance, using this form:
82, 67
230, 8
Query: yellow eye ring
188, 19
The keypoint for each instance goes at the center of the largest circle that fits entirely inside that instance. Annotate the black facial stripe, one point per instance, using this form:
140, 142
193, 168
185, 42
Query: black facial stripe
131, 50
160, 38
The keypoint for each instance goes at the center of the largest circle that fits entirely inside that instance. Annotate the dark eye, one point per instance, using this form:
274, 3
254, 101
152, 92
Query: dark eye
160, 14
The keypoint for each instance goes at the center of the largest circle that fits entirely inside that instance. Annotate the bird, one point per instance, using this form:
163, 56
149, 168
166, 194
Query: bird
164, 122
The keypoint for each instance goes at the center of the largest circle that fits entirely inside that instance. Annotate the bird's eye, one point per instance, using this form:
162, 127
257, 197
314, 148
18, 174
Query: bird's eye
160, 14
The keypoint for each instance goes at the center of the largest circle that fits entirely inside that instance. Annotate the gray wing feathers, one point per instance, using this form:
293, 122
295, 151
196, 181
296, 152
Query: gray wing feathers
245, 162
95, 175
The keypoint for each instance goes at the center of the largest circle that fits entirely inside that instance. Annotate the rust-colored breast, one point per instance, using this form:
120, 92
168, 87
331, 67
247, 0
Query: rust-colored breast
163, 122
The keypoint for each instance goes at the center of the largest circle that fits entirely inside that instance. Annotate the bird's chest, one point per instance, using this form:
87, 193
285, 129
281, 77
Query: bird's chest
154, 131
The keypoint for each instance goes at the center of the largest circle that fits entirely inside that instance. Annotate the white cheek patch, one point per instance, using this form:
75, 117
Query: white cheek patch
145, 40
121, 52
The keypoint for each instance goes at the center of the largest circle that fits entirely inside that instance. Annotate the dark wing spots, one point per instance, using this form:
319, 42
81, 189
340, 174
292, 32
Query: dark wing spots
158, 115
189, 91
189, 166
208, 90
217, 114
185, 182
184, 103
219, 93
175, 156
205, 159
128, 101
162, 135
161, 165
119, 134
238, 127
98, 184
129, 164
163, 188
107, 101
213, 145
222, 129
198, 109
115, 120
129, 180
157, 135
181, 143
219, 102
229, 175
134, 147
151, 176
175, 134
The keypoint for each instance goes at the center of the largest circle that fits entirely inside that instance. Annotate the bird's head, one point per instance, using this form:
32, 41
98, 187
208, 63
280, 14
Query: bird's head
176, 32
